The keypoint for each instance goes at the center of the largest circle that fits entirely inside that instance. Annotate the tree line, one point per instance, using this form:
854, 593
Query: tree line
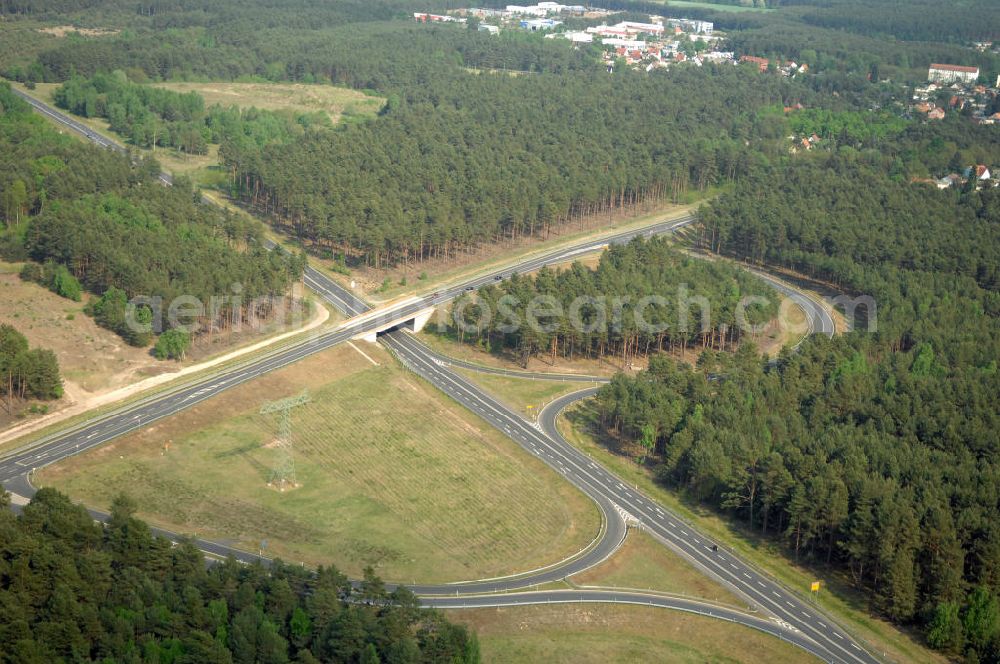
874, 452
848, 57
907, 21
75, 590
101, 219
642, 298
26, 373
523, 155
148, 116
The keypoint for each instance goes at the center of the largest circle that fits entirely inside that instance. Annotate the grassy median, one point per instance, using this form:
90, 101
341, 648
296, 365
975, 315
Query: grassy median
606, 634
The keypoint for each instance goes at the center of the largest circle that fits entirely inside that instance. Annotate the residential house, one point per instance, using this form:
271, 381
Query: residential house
982, 173
761, 63
953, 180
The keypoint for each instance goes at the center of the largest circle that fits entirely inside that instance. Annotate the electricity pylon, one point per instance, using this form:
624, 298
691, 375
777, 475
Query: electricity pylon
283, 474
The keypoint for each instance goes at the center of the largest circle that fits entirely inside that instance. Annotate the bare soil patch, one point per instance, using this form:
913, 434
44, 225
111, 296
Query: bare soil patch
63, 30
96, 363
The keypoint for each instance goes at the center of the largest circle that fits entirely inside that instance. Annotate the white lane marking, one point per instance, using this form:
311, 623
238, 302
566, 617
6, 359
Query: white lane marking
838, 636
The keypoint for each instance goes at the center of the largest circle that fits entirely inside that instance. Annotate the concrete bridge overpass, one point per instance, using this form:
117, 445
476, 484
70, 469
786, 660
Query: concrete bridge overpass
411, 314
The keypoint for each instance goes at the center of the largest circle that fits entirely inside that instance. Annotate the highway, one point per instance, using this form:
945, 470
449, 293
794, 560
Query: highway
101, 430
448, 361
600, 484
798, 621
544, 441
595, 596
79, 127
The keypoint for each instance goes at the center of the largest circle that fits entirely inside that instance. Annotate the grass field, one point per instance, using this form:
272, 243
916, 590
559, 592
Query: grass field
338, 103
524, 396
840, 601
605, 634
644, 563
393, 474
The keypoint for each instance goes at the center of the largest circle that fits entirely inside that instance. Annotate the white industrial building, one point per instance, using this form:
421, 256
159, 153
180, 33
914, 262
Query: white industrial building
545, 9
648, 28
630, 44
692, 25
575, 37
539, 24
952, 73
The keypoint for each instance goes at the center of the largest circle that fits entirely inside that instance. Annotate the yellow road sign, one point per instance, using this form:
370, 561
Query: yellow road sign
815, 587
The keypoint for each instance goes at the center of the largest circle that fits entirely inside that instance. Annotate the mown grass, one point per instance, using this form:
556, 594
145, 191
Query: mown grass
643, 563
393, 474
525, 396
604, 634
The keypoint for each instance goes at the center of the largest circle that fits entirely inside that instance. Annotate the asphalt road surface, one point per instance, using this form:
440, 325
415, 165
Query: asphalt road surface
79, 127
549, 597
544, 441
793, 619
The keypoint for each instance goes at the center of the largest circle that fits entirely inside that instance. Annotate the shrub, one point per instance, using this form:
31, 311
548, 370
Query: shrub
172, 345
